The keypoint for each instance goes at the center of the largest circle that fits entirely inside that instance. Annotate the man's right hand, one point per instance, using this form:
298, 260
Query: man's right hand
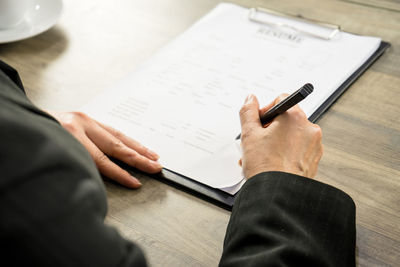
290, 143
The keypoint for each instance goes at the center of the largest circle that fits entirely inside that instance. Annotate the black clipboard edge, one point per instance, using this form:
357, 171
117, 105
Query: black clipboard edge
342, 88
225, 200
183, 183
205, 192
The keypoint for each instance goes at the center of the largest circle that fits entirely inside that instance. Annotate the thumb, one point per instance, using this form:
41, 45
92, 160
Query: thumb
249, 114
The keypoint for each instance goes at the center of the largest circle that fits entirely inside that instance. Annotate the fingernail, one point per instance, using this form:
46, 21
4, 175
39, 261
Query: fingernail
156, 164
153, 155
249, 99
137, 182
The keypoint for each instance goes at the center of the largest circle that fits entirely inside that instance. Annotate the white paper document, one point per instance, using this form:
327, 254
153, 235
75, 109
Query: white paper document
183, 103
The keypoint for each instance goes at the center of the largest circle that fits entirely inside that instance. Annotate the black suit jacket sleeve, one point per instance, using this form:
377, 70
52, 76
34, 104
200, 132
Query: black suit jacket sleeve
53, 204
52, 199
281, 219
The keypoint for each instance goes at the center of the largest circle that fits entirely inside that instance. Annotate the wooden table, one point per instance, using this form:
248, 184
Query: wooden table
96, 43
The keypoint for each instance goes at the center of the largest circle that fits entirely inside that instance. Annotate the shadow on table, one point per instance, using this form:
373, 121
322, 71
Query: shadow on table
37, 52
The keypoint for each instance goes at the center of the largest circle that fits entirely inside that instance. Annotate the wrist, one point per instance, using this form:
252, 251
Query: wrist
274, 167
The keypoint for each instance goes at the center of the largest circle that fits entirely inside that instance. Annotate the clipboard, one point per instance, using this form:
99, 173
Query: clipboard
226, 200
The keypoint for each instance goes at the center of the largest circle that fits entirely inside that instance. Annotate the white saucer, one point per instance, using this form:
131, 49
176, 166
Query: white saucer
41, 16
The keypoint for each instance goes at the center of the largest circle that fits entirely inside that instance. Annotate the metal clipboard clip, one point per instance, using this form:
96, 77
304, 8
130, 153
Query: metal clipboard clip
326, 31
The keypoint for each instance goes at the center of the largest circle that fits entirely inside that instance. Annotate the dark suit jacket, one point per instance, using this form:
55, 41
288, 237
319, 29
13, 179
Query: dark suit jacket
53, 204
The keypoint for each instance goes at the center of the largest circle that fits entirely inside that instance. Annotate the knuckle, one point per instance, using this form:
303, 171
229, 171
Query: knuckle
117, 144
297, 114
73, 121
133, 159
70, 126
80, 115
101, 159
317, 132
300, 113
246, 134
117, 134
243, 110
116, 148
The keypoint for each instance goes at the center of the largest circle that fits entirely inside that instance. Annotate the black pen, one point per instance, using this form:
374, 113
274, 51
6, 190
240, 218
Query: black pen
285, 104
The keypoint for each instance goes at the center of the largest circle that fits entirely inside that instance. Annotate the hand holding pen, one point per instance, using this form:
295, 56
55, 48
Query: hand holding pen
285, 104
291, 143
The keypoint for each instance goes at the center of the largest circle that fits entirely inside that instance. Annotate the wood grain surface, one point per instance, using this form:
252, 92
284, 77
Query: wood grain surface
96, 43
